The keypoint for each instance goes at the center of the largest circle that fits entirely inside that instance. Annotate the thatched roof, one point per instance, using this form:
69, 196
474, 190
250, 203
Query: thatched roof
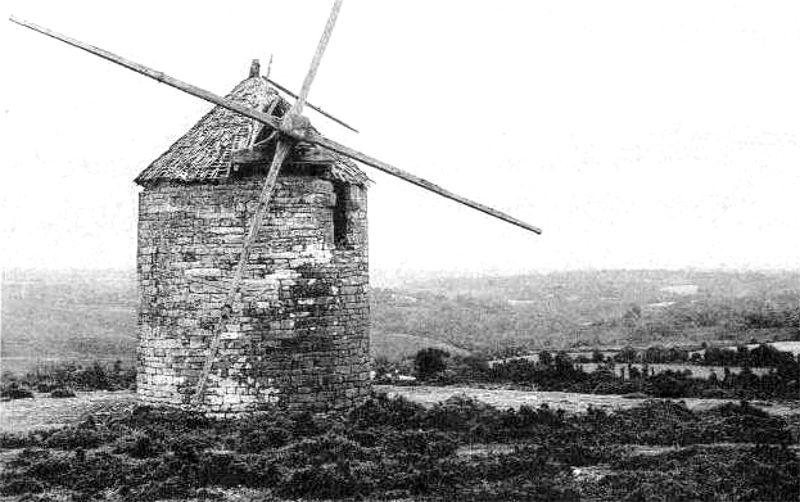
205, 152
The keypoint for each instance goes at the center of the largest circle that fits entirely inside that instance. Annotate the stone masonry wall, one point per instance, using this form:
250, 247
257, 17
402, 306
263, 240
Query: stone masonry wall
298, 338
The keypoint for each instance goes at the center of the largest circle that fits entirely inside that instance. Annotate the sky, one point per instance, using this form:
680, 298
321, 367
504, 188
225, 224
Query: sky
635, 134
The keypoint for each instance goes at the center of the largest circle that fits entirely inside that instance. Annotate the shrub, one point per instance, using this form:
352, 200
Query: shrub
138, 445
252, 441
381, 410
71, 438
14, 390
324, 450
21, 486
669, 384
97, 376
61, 393
326, 481
430, 444
428, 362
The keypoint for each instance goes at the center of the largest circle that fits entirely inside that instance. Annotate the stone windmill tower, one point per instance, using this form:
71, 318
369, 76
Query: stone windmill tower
298, 332
253, 254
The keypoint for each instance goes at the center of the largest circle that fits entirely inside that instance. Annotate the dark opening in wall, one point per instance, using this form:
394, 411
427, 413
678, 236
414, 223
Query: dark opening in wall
340, 221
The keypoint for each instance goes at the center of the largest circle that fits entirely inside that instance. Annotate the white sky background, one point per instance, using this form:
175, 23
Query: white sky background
636, 134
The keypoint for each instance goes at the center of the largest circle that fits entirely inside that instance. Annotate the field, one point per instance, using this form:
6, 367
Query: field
52, 317
86, 316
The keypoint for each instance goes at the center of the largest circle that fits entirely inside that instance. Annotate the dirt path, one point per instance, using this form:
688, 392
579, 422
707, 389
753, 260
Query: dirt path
24, 415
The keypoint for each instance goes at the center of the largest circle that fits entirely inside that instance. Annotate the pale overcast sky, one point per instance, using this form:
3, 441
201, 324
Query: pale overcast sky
636, 134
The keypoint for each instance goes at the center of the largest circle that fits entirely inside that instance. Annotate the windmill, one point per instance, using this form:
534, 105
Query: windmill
281, 133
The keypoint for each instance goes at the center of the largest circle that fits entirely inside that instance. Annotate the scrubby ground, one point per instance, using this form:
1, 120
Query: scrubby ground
393, 449
24, 415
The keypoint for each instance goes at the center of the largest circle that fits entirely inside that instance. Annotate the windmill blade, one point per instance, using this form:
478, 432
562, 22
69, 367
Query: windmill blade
312, 71
324, 142
281, 152
154, 74
318, 110
264, 118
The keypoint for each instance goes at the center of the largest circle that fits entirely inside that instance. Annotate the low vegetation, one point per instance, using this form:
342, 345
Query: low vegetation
763, 355
560, 372
62, 380
394, 449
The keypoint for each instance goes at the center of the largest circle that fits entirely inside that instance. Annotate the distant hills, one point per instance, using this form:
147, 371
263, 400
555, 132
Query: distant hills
594, 308
90, 315
50, 316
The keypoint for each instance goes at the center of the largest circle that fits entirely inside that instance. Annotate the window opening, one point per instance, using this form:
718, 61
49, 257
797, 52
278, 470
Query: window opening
340, 220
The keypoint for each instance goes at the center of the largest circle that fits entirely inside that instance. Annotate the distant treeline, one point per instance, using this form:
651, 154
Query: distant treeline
762, 356
560, 372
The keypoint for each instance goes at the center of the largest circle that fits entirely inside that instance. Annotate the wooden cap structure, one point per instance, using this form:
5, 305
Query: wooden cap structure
220, 142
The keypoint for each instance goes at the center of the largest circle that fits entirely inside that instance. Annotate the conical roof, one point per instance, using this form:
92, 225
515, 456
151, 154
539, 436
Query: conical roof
205, 152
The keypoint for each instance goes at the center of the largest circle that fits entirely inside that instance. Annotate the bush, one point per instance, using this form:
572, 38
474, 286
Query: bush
252, 441
61, 393
326, 481
670, 384
428, 362
21, 486
15, 391
71, 438
431, 444
96, 376
138, 445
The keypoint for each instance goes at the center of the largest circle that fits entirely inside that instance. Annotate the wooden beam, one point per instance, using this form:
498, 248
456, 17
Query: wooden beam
251, 155
281, 152
154, 74
319, 110
304, 134
297, 109
272, 135
420, 182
